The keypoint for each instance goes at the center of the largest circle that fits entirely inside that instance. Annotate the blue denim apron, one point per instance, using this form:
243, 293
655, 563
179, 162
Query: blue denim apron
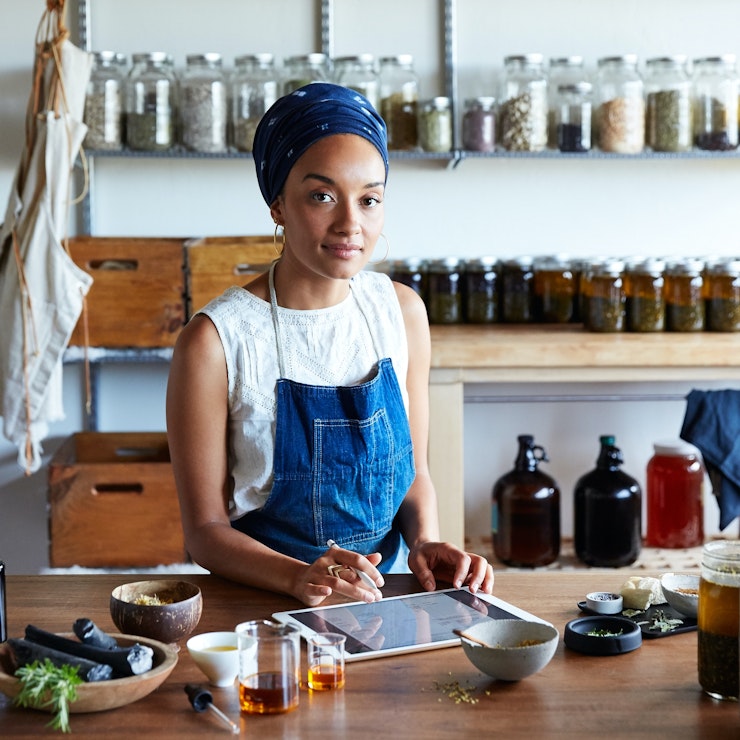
343, 463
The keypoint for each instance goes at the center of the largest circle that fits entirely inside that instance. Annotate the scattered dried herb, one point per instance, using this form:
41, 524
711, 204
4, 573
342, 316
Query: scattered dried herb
456, 692
660, 621
604, 633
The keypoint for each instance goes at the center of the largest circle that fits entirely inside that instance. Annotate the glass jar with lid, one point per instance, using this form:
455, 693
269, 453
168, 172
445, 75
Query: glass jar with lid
411, 271
554, 289
603, 296
722, 294
481, 290
303, 69
644, 299
620, 105
568, 70
715, 85
104, 101
517, 290
684, 294
204, 113
523, 113
479, 124
573, 108
444, 291
668, 126
435, 124
254, 88
151, 102
359, 72
399, 99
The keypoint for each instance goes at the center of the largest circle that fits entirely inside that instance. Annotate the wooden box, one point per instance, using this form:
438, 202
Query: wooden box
214, 264
113, 502
137, 297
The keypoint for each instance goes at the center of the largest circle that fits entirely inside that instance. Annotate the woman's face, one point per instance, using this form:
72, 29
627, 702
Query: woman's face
332, 207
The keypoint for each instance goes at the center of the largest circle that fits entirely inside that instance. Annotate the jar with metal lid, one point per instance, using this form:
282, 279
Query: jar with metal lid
523, 113
578, 266
204, 113
411, 271
399, 99
303, 69
479, 124
151, 102
603, 296
644, 299
435, 125
668, 91
684, 294
568, 70
517, 290
722, 294
620, 105
359, 72
573, 108
481, 290
554, 289
675, 495
254, 88
715, 85
104, 101
444, 291
718, 620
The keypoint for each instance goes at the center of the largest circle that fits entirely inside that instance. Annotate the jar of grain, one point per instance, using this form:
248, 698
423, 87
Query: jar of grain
254, 88
479, 124
643, 289
399, 99
684, 295
523, 114
358, 72
620, 105
104, 101
668, 111
204, 104
435, 125
568, 70
722, 294
715, 83
573, 117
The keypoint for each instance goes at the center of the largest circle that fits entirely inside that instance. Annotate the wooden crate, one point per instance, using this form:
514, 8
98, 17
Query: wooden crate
138, 295
113, 502
214, 264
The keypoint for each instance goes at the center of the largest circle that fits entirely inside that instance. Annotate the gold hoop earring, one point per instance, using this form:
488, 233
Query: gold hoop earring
278, 252
387, 251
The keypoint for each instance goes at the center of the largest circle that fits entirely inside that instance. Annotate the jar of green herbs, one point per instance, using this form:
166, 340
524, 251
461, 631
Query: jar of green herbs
722, 294
643, 288
444, 296
481, 290
517, 290
684, 295
668, 109
603, 296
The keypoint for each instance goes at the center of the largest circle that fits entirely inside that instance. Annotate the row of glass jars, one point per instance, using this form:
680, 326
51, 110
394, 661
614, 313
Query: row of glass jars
605, 294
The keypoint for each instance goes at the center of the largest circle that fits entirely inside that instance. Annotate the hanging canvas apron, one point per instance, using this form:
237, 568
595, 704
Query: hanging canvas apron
343, 463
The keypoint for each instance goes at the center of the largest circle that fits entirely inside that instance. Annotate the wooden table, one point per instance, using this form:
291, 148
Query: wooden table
651, 692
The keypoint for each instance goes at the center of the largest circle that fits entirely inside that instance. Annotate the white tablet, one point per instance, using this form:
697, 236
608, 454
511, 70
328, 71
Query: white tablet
403, 624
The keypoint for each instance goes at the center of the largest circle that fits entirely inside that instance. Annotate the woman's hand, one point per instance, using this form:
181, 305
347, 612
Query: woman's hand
430, 561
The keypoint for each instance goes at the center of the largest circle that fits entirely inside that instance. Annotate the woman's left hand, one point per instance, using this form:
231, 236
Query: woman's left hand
430, 561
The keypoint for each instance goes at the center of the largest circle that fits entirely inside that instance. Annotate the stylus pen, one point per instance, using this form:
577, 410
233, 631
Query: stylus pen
364, 577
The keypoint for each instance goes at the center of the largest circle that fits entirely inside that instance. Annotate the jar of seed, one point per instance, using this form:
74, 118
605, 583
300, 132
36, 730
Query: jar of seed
411, 271
568, 70
722, 294
643, 289
684, 295
359, 72
204, 104
603, 296
481, 290
573, 117
554, 289
104, 101
254, 88
715, 84
151, 102
620, 105
523, 114
399, 99
445, 301
303, 69
479, 124
517, 290
435, 125
668, 125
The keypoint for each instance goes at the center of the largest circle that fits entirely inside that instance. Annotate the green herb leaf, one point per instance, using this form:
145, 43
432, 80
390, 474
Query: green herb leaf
47, 685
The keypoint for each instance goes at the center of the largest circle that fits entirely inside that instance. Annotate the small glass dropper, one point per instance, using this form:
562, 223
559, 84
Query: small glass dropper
202, 699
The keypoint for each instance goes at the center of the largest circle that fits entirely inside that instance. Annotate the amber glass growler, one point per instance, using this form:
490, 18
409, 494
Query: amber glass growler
525, 521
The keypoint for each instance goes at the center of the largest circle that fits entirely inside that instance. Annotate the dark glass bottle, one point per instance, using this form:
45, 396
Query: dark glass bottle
608, 512
525, 520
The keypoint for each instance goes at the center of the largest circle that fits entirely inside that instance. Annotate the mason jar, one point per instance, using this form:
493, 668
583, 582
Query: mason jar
104, 101
411, 271
523, 113
668, 126
715, 84
358, 72
254, 88
603, 296
573, 107
722, 294
444, 291
554, 289
517, 290
479, 124
399, 99
644, 299
481, 290
568, 70
435, 125
684, 295
303, 69
204, 113
620, 105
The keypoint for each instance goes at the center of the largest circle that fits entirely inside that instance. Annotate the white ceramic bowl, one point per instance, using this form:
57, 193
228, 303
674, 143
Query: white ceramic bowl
681, 592
510, 658
216, 654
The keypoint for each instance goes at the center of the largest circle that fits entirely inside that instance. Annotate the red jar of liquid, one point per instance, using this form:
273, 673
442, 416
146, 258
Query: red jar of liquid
675, 506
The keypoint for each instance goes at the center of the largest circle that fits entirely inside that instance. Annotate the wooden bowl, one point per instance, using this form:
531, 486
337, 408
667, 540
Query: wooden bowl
167, 622
102, 695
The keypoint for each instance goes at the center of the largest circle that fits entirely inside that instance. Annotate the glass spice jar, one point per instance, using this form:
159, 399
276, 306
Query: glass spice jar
104, 100
204, 113
620, 105
444, 291
554, 289
684, 295
479, 124
603, 296
668, 125
715, 85
151, 102
435, 125
303, 69
481, 290
517, 290
399, 99
254, 88
411, 271
562, 71
644, 299
722, 294
358, 72
523, 113
573, 117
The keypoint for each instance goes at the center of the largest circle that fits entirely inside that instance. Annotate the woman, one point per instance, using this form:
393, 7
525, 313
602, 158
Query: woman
297, 406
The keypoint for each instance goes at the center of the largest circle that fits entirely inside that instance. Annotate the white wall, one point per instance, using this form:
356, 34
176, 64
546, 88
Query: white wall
501, 207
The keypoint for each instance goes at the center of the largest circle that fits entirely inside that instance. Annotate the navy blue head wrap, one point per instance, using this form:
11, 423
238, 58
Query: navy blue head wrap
298, 120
